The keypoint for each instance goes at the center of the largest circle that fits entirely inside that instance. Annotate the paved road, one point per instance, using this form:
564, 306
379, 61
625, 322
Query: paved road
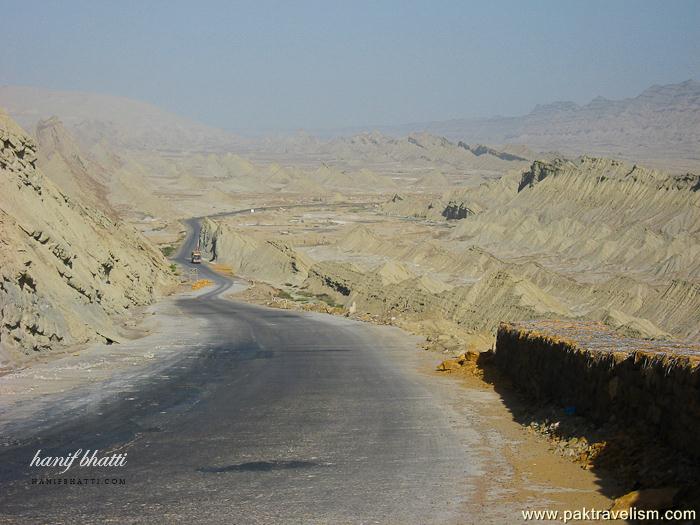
283, 418
309, 205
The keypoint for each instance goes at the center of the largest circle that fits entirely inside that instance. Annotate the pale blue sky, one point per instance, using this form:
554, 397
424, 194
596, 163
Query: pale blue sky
303, 64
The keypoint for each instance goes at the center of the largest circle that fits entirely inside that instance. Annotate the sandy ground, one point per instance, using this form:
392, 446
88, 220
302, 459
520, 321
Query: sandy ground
524, 473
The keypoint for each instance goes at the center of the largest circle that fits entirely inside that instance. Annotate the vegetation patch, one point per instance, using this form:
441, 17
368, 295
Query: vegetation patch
283, 294
328, 300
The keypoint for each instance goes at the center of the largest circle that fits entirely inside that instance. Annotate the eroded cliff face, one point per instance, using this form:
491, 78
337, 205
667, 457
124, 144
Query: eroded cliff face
626, 239
654, 385
265, 259
67, 271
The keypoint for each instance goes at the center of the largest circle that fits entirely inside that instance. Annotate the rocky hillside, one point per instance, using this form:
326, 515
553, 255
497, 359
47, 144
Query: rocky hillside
97, 175
591, 238
598, 215
268, 260
628, 236
60, 157
68, 272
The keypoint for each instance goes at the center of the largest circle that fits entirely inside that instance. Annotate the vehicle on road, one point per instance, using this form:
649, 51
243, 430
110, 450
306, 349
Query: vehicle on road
196, 256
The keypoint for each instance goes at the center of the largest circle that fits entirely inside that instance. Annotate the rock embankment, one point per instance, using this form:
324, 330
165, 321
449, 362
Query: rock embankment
265, 259
585, 367
67, 270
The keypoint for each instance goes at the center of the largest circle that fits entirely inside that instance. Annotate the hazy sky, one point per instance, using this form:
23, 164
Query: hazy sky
323, 64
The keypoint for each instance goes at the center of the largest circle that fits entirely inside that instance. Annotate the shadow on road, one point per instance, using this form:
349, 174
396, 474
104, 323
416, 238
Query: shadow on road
260, 466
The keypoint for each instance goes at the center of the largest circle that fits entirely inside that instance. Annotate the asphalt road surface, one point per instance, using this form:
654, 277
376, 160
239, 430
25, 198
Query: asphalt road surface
283, 417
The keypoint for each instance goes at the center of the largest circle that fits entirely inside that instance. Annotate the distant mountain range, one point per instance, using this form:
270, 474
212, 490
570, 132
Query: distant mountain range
662, 123
119, 121
660, 127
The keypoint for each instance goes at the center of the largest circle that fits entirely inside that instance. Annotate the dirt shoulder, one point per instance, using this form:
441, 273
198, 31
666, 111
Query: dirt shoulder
46, 392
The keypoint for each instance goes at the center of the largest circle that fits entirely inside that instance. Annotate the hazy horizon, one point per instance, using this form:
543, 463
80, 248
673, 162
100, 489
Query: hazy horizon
282, 67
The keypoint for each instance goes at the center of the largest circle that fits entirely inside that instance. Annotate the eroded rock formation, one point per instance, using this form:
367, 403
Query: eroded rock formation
67, 271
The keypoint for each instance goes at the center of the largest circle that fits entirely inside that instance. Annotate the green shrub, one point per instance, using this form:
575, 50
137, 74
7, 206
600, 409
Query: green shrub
283, 294
328, 300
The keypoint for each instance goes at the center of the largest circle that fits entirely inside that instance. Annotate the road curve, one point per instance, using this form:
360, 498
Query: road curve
283, 417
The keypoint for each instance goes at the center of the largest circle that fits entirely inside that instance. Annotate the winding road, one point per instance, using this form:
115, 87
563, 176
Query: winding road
281, 417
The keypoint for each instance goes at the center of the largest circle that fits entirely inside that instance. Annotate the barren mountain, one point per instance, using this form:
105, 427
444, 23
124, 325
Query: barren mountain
660, 124
661, 127
117, 121
409, 158
68, 272
97, 176
111, 132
